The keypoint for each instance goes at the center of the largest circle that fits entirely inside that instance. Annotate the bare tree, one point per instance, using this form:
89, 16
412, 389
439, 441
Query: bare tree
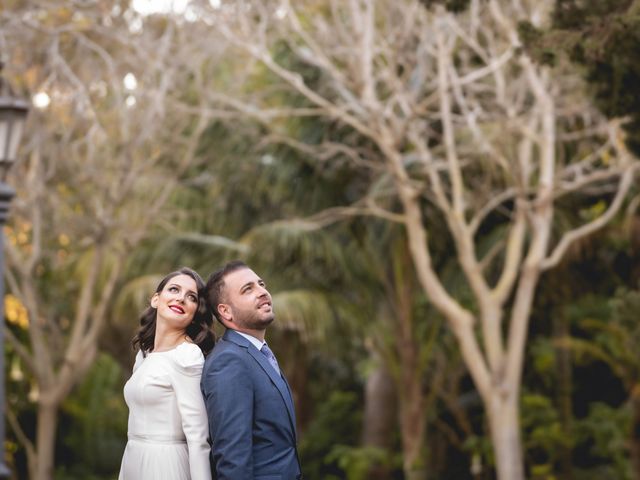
441, 110
99, 166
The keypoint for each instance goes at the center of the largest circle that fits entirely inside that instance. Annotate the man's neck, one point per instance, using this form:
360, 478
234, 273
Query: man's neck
258, 334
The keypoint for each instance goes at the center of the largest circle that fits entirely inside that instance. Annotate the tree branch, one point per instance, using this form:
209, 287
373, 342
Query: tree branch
626, 180
23, 353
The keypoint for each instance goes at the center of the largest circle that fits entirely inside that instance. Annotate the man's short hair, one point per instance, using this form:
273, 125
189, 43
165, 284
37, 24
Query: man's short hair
214, 290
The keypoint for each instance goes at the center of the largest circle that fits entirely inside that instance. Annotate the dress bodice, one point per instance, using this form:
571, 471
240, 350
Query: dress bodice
165, 403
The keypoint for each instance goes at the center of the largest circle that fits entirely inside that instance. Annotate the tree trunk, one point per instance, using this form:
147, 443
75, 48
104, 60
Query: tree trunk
412, 415
505, 434
380, 418
565, 405
413, 425
46, 440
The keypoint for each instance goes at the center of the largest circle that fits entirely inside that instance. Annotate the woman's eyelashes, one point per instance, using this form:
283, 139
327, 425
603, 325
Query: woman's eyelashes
190, 296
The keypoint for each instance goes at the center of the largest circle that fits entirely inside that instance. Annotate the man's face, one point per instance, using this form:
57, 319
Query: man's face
247, 303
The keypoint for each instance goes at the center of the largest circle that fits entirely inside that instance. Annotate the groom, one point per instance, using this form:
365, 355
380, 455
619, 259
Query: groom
248, 400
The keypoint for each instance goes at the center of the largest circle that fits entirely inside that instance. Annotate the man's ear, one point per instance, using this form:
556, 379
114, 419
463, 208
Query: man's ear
154, 300
226, 315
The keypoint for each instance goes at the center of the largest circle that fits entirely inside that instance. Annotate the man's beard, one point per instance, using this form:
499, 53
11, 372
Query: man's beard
254, 321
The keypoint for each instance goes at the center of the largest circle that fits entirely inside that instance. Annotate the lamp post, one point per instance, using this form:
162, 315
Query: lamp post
13, 112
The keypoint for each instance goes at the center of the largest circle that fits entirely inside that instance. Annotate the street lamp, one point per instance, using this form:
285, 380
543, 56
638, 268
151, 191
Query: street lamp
13, 112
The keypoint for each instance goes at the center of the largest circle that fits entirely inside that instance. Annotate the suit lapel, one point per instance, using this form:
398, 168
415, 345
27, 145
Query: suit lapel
278, 380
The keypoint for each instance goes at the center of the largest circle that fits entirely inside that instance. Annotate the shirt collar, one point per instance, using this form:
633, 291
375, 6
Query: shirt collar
255, 342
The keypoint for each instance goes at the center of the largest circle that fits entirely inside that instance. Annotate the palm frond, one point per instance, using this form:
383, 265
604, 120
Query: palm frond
311, 313
217, 241
132, 298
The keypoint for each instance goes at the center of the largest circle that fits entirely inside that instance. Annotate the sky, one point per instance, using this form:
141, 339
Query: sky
148, 7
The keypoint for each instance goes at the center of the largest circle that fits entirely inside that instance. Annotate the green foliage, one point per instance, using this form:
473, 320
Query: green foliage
606, 331
94, 425
338, 419
480, 449
542, 431
544, 359
290, 241
231, 205
604, 38
357, 461
605, 430
615, 334
577, 13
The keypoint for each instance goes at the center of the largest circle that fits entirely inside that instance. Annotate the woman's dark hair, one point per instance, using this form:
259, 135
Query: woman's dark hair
199, 330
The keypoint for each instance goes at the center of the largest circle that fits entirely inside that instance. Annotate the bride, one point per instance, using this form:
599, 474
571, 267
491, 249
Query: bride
167, 432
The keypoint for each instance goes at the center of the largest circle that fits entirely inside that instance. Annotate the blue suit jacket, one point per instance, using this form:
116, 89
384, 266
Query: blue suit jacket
251, 415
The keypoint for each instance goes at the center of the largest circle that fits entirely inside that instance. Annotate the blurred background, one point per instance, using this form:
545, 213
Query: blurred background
442, 196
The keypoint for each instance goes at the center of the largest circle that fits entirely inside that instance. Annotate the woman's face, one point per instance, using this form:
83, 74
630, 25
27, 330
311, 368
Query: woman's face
177, 303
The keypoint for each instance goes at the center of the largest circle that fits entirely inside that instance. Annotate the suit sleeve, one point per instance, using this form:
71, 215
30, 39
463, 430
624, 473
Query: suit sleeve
186, 384
228, 394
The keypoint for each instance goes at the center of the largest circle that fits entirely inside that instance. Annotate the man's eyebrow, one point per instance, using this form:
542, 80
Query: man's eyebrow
252, 282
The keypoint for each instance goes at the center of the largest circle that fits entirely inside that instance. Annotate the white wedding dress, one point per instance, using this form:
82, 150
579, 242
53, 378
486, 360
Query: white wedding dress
168, 428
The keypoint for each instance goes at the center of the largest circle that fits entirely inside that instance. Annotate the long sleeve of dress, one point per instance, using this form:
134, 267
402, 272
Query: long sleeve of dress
138, 361
186, 384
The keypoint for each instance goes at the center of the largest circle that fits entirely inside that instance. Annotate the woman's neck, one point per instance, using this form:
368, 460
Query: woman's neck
167, 340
